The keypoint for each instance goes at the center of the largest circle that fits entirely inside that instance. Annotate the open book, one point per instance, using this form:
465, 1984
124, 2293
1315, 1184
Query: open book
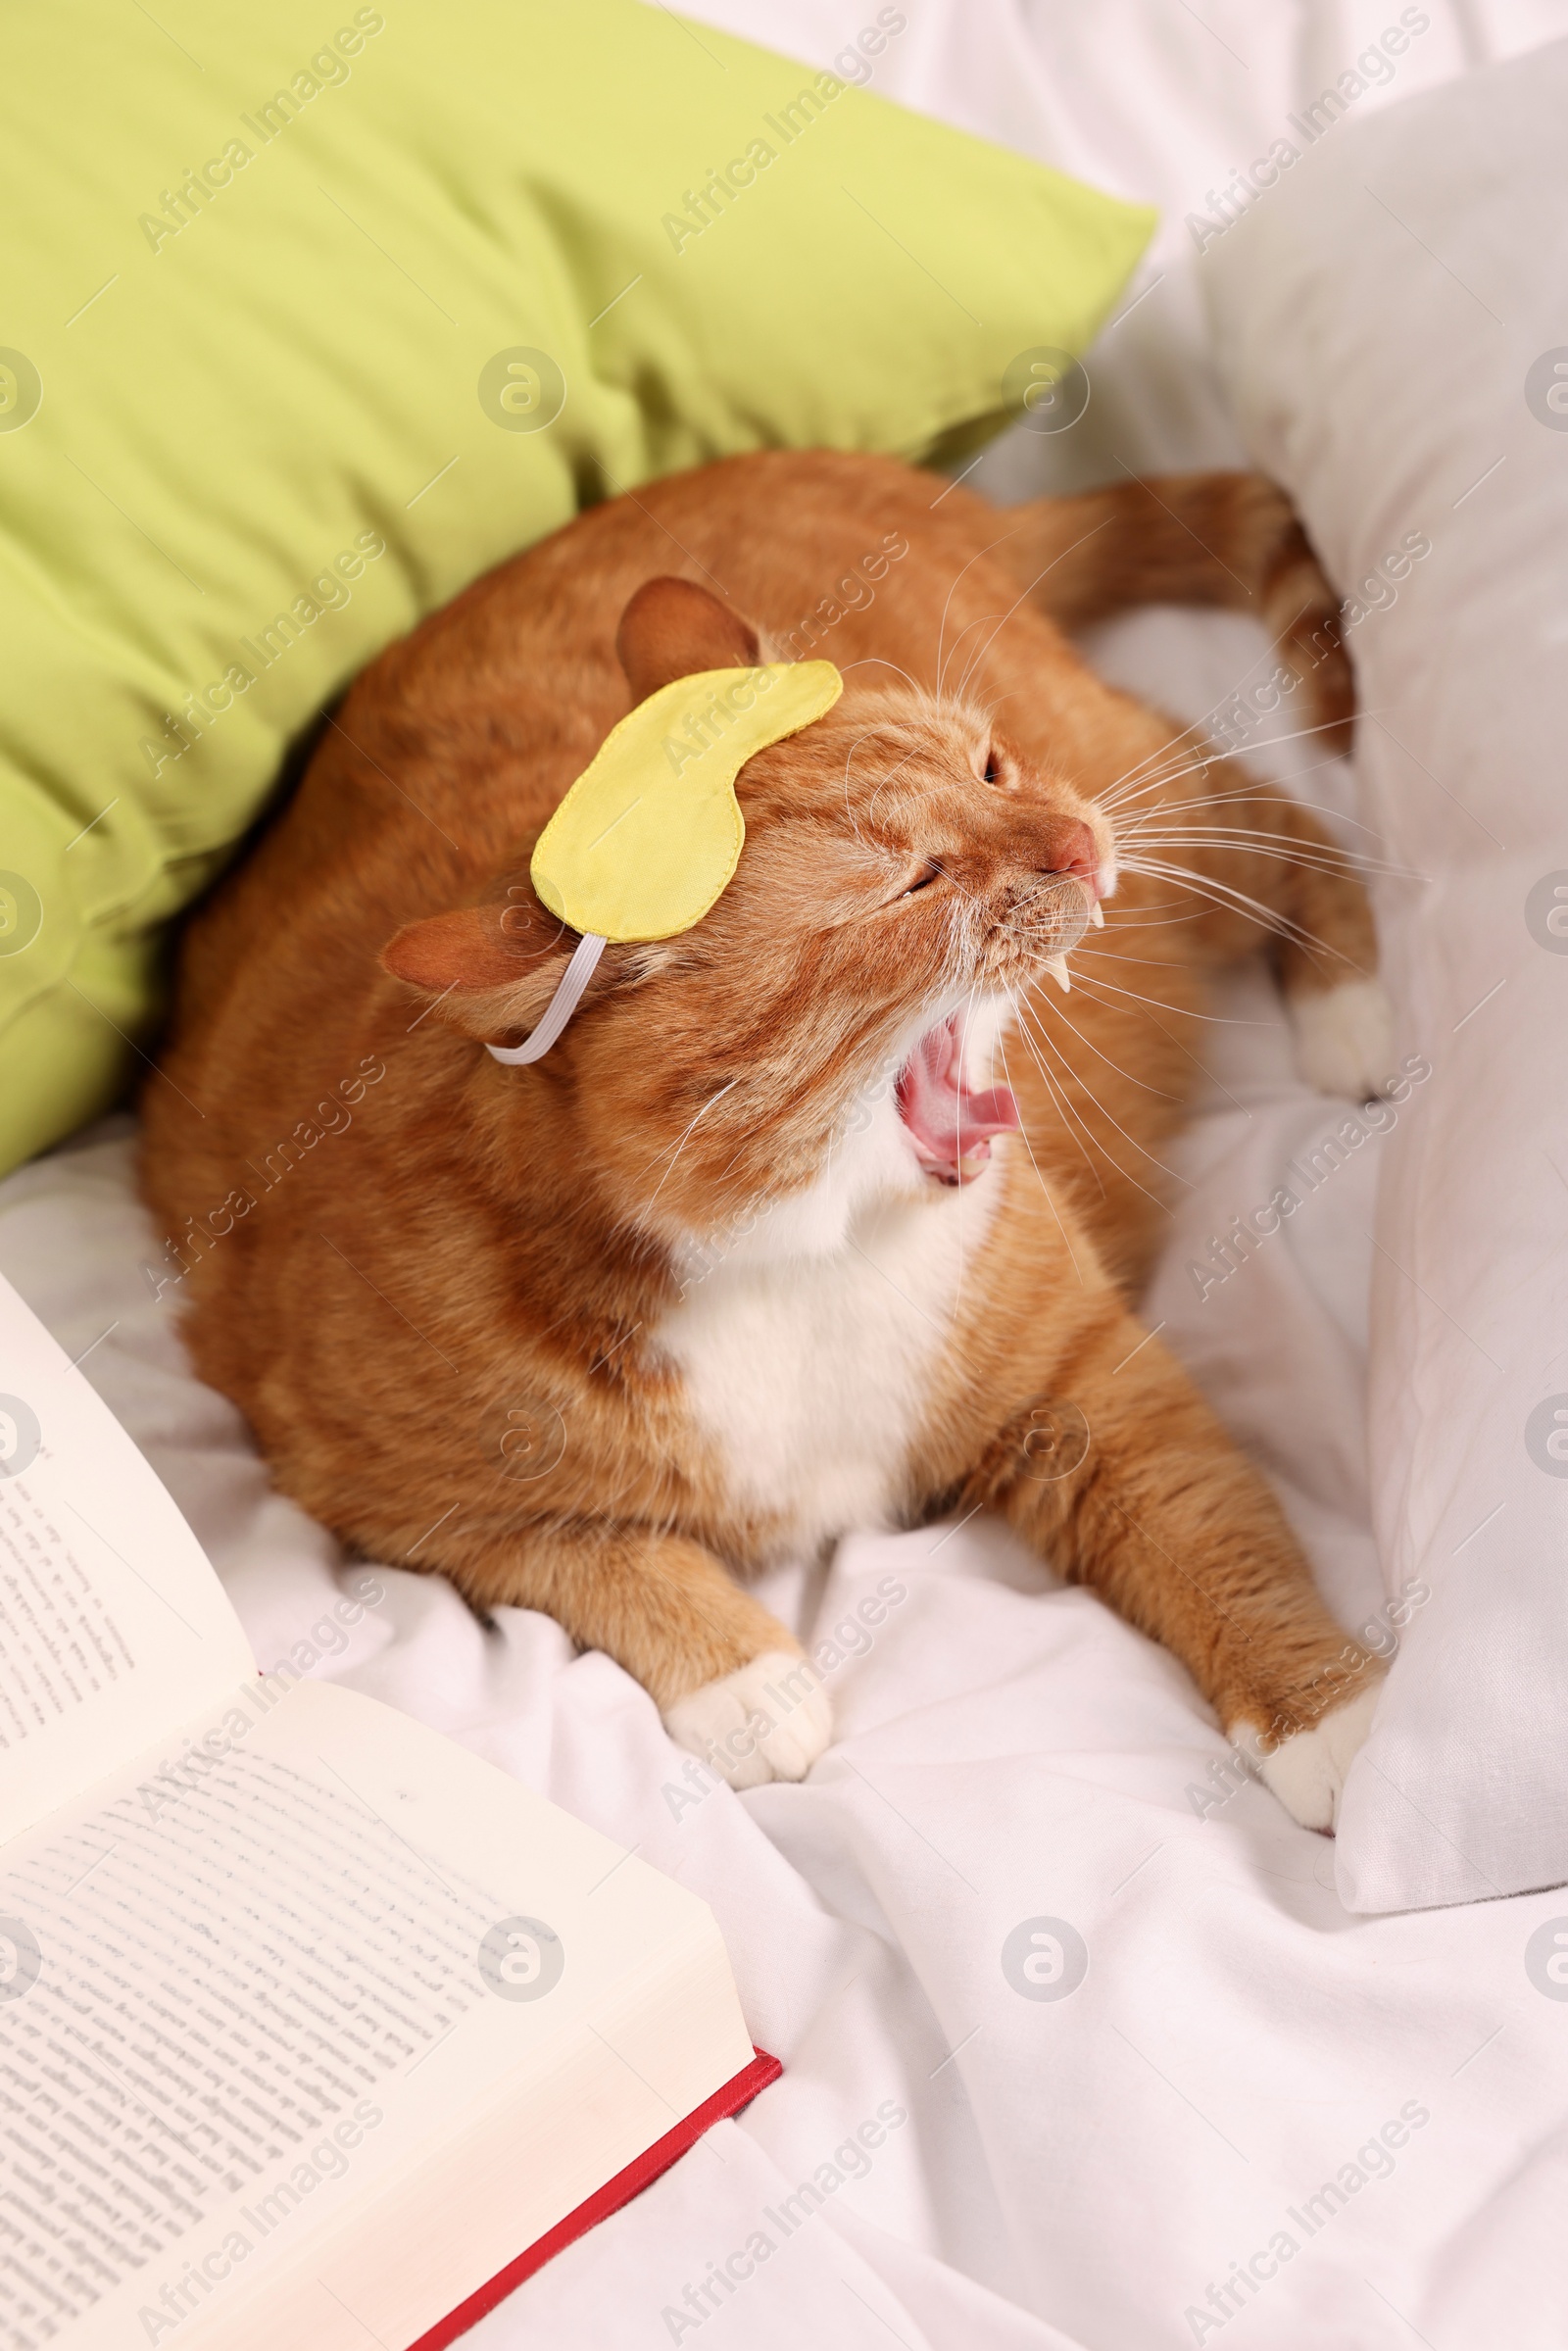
314, 2027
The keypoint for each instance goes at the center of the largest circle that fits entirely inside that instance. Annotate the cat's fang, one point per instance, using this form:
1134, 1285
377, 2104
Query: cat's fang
1057, 965
1096, 914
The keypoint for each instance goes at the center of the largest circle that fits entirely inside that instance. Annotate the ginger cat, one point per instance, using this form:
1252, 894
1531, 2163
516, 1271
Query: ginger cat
829, 1212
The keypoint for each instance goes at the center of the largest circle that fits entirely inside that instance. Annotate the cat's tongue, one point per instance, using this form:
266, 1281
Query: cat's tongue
951, 1126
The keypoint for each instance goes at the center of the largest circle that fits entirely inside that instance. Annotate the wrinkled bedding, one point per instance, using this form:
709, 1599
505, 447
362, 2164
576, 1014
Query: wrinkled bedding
1153, 2081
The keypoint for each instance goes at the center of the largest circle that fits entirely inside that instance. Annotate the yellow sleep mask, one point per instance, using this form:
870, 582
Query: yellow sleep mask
650, 834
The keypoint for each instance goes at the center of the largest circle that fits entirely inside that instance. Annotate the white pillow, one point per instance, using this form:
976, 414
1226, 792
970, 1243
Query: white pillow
1391, 323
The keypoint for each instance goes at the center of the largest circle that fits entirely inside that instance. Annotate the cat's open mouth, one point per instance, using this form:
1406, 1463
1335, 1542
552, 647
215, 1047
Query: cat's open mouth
949, 1124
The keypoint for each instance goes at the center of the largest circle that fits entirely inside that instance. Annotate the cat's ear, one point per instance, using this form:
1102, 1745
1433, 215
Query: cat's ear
491, 970
672, 628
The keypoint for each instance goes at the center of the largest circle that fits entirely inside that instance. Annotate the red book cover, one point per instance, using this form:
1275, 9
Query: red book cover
737, 2092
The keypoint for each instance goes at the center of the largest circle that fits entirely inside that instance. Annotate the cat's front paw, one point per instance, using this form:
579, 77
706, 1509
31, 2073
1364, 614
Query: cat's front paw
769, 1721
1307, 1771
1345, 1038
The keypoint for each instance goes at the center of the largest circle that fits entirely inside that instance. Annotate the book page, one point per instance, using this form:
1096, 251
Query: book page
249, 1986
113, 1624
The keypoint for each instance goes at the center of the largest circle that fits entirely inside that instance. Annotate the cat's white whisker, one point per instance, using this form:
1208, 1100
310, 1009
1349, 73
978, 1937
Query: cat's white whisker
1057, 1097
681, 1142
1227, 898
1001, 1054
1203, 831
1152, 1158
1282, 854
976, 653
1217, 749
877, 660
1026, 592
1171, 754
1162, 1003
1145, 1085
958, 576
1150, 774
1097, 1149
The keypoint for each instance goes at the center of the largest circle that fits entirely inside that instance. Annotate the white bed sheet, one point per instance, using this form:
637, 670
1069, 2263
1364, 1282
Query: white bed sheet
1073, 2172
1084, 2170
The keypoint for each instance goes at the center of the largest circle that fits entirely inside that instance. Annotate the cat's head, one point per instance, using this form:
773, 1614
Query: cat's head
826, 1033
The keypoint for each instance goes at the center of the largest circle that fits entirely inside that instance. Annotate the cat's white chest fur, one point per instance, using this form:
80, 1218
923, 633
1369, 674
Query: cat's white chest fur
808, 1345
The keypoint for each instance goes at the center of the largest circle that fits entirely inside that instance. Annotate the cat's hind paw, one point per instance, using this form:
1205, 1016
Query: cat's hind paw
1307, 1771
1345, 1038
768, 1721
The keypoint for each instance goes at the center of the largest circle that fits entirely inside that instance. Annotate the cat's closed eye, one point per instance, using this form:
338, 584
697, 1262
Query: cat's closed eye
917, 875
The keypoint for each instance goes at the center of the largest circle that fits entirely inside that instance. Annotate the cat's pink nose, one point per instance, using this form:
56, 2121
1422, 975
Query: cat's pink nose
1070, 848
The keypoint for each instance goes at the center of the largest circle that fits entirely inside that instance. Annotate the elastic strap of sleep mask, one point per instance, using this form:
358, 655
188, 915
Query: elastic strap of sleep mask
562, 1005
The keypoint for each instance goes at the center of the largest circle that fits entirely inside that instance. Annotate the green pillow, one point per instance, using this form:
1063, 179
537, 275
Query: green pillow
308, 320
